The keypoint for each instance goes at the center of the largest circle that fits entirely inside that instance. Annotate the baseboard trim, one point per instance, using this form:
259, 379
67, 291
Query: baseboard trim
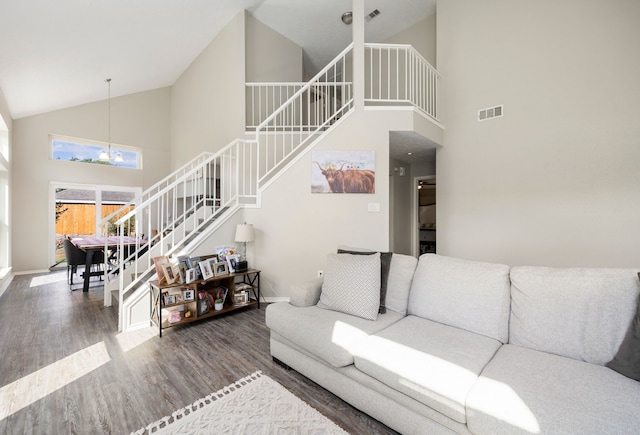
6, 281
31, 272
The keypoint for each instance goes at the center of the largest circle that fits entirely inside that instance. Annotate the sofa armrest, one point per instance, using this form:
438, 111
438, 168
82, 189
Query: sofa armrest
306, 294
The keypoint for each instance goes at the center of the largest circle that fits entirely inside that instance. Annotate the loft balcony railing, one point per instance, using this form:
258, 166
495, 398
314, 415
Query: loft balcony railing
398, 74
395, 74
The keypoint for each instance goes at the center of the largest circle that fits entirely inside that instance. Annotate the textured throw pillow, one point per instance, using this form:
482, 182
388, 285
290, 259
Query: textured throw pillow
352, 285
385, 263
627, 360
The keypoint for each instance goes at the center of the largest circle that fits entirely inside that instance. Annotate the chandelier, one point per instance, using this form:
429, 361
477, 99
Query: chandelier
105, 156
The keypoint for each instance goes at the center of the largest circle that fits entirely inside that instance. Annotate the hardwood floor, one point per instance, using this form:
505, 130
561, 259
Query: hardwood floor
66, 370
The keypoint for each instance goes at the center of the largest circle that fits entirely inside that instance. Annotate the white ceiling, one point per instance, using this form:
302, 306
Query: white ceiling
410, 147
57, 54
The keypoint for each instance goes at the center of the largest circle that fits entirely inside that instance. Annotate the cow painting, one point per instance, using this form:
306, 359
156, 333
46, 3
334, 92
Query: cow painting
349, 181
343, 176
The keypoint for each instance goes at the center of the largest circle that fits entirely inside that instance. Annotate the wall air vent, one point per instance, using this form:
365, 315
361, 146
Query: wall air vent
491, 112
372, 15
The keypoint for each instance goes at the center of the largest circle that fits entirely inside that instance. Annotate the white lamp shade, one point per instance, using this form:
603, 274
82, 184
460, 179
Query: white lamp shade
244, 233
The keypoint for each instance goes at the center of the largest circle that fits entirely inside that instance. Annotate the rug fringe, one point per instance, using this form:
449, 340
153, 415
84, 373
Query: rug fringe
195, 406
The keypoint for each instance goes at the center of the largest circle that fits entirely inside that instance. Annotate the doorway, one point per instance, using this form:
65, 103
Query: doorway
424, 215
77, 210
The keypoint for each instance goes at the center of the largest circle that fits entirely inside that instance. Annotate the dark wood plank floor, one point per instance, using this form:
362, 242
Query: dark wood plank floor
65, 369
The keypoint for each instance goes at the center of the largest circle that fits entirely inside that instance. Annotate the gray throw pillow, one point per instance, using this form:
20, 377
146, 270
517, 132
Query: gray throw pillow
352, 285
627, 360
385, 263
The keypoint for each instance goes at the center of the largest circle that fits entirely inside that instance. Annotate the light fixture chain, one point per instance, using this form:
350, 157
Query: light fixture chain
109, 114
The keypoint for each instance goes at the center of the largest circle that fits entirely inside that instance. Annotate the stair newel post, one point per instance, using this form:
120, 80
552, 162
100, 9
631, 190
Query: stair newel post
358, 54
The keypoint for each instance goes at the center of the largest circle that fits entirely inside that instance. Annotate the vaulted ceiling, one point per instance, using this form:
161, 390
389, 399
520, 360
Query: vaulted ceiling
56, 54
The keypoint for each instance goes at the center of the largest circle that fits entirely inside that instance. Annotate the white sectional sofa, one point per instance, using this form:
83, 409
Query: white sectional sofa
470, 347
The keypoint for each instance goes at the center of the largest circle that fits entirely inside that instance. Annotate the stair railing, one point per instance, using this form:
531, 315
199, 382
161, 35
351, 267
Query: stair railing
262, 99
167, 181
304, 116
180, 209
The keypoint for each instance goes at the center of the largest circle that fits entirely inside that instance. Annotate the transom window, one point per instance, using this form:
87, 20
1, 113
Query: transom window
88, 151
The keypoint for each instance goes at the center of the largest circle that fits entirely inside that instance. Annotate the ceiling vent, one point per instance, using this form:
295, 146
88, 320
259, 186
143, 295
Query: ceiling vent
372, 15
491, 112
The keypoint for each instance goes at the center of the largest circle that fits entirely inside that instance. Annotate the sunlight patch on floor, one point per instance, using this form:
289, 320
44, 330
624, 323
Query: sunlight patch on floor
130, 340
50, 278
37, 385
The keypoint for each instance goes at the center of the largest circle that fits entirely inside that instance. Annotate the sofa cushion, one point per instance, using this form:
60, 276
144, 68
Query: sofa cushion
526, 391
401, 273
579, 313
352, 285
306, 294
329, 335
430, 362
385, 263
466, 294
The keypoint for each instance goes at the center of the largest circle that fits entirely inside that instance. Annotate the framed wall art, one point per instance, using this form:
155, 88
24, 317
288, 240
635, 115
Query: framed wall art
343, 172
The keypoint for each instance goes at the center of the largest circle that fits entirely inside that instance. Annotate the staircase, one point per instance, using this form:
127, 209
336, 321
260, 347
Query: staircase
190, 204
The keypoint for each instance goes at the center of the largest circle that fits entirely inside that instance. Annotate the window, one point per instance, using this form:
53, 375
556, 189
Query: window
79, 210
88, 151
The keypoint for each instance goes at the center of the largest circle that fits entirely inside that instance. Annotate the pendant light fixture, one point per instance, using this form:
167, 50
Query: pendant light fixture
105, 156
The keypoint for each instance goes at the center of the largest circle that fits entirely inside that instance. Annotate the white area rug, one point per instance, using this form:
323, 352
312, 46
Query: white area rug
253, 405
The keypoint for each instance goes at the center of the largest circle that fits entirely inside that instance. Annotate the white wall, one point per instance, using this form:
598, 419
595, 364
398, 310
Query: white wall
140, 120
207, 101
422, 36
270, 57
555, 181
295, 229
6, 128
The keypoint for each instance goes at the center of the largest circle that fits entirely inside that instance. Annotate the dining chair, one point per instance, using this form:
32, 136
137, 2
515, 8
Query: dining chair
77, 257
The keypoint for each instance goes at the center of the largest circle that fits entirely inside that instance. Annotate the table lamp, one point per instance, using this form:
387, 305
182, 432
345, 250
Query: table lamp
244, 235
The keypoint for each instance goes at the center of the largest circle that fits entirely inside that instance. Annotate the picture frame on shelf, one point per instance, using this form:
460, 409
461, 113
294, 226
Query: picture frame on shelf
169, 274
212, 262
182, 267
188, 295
221, 293
241, 298
205, 268
222, 268
204, 306
159, 262
232, 261
195, 262
169, 299
192, 275
210, 257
